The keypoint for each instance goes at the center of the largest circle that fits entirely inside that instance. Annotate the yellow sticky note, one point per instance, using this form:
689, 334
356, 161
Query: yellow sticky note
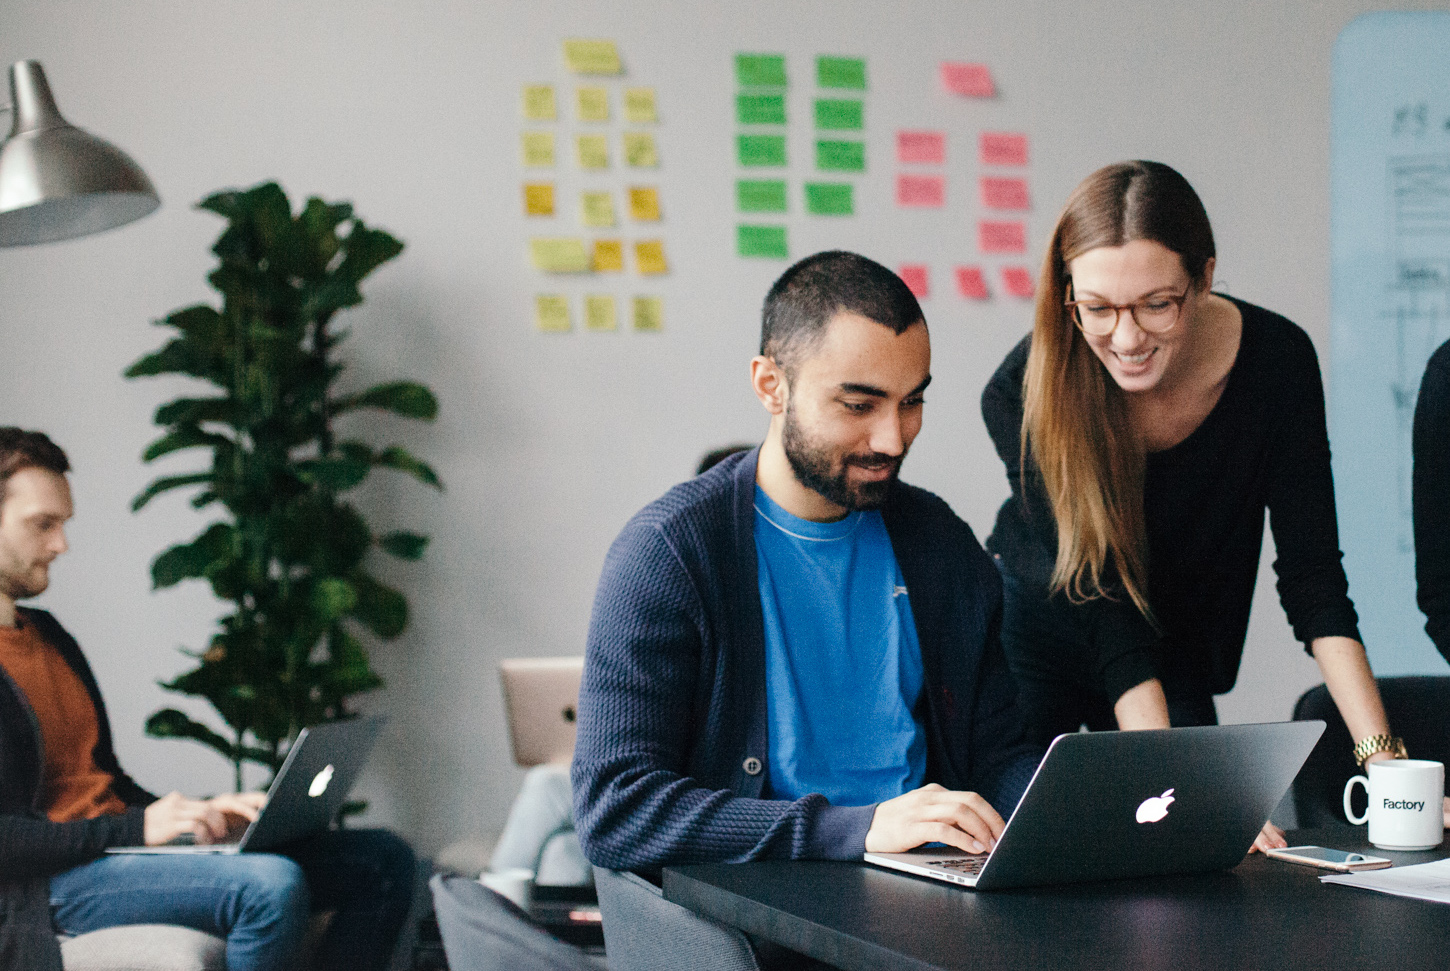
558, 255
538, 198
592, 57
639, 106
644, 204
608, 256
599, 313
649, 313
538, 102
639, 150
592, 104
597, 209
538, 149
649, 256
551, 312
593, 151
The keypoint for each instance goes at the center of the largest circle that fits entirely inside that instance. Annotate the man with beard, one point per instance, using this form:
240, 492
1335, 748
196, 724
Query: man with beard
64, 799
795, 655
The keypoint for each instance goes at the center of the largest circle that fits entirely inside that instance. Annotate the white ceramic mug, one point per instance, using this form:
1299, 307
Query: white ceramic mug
1405, 796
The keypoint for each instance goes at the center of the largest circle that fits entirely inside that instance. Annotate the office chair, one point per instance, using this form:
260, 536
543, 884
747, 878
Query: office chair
1419, 711
645, 932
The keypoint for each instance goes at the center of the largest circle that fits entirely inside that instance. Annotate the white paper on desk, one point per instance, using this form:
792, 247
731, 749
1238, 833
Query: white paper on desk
1423, 881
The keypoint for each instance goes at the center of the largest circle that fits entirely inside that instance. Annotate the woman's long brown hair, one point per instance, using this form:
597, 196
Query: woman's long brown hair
1074, 416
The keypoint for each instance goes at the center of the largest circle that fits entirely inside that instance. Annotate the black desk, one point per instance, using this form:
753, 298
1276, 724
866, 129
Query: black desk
1262, 914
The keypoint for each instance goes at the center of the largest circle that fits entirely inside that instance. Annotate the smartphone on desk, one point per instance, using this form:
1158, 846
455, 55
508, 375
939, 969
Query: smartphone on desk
1329, 859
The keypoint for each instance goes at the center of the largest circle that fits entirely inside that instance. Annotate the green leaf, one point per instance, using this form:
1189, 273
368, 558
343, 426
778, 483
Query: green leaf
383, 609
170, 723
396, 457
406, 398
405, 546
187, 436
166, 485
194, 411
367, 249
209, 551
337, 474
331, 598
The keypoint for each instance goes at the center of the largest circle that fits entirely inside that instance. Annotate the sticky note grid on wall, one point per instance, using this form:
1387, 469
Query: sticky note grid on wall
596, 218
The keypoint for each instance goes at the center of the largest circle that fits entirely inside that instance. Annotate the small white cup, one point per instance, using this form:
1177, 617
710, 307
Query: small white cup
1405, 797
515, 883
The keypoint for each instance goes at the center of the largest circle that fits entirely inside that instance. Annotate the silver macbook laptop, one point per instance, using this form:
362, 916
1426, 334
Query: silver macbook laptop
309, 789
1105, 805
542, 698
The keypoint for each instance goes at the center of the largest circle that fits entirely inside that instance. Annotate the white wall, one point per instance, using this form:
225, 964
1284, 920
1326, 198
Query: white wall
548, 443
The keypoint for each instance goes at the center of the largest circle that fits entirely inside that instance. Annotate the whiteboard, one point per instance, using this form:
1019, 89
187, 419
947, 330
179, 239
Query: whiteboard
1390, 307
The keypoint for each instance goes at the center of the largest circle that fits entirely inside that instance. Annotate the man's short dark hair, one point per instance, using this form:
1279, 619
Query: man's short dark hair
28, 450
808, 295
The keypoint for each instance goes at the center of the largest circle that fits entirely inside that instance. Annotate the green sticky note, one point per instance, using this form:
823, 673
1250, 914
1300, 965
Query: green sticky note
760, 196
829, 199
760, 70
760, 109
838, 113
841, 72
761, 150
767, 241
840, 156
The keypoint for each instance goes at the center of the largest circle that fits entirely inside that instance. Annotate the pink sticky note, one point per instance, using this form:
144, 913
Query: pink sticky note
971, 80
922, 191
995, 237
1003, 148
1018, 281
929, 147
1004, 193
970, 282
914, 276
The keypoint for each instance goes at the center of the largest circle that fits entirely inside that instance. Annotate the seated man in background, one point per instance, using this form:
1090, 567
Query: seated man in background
64, 798
794, 655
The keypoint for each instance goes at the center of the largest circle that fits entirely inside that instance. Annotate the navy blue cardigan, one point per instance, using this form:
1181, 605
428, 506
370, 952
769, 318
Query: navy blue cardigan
669, 765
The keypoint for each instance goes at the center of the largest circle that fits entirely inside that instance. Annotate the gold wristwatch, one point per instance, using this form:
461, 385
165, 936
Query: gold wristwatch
1379, 743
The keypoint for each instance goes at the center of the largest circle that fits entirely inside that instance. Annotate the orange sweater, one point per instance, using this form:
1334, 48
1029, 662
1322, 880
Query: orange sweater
72, 786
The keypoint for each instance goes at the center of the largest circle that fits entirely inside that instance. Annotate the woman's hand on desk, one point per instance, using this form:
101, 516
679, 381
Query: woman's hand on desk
933, 814
1270, 837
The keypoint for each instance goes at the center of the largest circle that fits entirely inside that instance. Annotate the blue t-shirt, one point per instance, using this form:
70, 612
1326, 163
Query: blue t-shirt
842, 661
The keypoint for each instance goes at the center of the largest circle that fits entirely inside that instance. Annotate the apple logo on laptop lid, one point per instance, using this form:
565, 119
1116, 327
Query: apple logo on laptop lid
1155, 808
320, 781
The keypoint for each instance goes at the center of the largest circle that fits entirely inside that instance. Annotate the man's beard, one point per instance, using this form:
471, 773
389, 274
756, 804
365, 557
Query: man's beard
20, 586
827, 473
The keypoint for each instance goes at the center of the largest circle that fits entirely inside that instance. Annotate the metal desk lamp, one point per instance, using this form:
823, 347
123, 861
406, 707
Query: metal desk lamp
56, 181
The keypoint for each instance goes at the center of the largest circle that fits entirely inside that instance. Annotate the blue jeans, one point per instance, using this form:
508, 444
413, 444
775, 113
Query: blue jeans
259, 902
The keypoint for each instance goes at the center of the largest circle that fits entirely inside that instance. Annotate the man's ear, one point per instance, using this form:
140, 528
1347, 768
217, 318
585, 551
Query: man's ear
768, 380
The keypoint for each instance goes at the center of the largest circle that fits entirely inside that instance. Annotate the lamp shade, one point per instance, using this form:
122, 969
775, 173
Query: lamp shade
56, 181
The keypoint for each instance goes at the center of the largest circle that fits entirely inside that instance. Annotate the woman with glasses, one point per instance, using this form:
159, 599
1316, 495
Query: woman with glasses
1147, 423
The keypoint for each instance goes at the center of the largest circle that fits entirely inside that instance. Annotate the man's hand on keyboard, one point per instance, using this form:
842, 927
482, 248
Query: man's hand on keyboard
933, 814
207, 820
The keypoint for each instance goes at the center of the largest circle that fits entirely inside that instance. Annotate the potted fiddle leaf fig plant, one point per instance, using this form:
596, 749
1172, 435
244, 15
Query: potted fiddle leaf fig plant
289, 551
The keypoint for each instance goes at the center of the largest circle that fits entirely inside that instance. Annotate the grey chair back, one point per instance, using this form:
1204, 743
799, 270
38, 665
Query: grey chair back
645, 932
1419, 712
484, 931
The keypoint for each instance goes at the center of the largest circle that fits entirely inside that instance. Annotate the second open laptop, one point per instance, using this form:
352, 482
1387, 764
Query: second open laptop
306, 794
1105, 805
542, 698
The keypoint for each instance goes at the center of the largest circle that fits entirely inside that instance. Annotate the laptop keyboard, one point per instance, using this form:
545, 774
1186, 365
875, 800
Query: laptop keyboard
970, 864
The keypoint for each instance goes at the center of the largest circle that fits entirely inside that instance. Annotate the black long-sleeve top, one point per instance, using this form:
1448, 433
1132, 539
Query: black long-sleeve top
1264, 446
1432, 498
